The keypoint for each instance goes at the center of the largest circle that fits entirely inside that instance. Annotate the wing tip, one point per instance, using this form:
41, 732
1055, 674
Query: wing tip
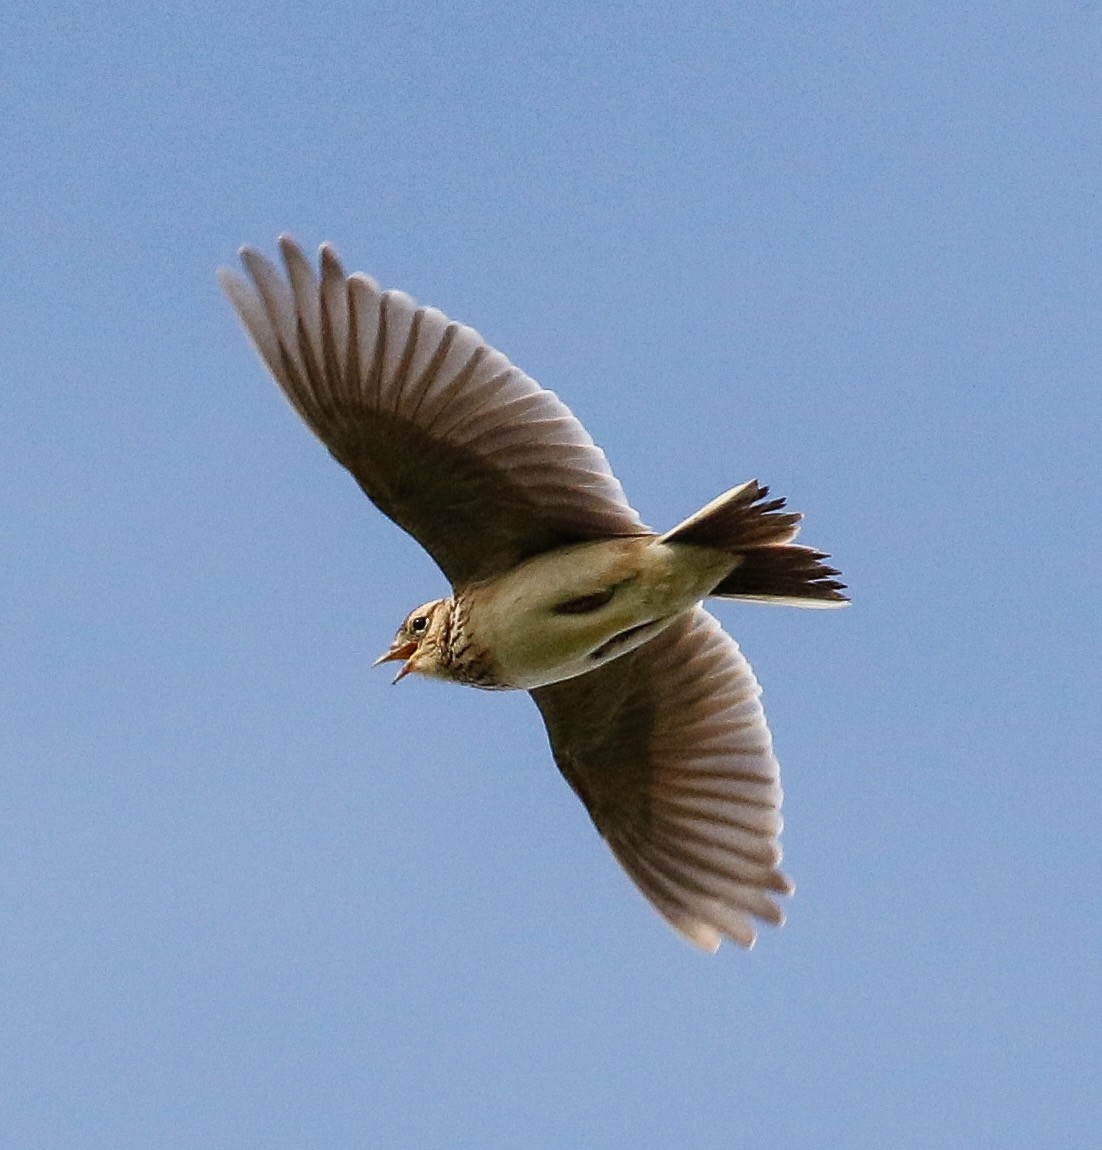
288, 243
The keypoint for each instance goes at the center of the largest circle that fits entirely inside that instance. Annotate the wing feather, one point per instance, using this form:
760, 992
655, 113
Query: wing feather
669, 750
459, 447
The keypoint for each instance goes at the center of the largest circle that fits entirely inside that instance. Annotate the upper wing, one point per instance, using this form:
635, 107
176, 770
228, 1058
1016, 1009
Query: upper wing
668, 749
467, 453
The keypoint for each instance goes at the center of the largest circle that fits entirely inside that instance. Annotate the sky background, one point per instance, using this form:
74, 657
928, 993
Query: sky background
250, 895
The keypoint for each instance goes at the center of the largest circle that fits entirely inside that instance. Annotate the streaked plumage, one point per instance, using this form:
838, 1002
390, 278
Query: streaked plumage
559, 588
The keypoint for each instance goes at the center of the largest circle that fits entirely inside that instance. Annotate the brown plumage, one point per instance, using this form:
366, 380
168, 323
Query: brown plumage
558, 587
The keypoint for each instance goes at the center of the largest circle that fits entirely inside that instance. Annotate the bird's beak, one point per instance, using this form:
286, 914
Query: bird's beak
399, 651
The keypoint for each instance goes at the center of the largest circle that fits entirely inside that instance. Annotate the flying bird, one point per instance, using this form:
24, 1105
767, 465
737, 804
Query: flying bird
558, 588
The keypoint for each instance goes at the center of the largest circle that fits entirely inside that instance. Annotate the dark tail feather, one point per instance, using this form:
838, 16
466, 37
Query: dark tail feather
787, 574
771, 568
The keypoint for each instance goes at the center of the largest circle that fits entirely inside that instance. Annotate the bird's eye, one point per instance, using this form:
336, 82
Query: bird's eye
419, 624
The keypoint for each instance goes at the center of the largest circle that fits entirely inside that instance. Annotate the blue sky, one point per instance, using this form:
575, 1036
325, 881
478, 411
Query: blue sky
250, 895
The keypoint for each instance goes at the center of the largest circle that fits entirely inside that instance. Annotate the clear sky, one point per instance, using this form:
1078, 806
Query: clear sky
252, 895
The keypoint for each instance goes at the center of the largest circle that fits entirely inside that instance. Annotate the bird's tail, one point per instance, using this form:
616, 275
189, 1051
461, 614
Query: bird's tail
771, 569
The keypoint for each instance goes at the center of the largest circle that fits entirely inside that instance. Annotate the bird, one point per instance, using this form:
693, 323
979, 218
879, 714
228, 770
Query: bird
558, 587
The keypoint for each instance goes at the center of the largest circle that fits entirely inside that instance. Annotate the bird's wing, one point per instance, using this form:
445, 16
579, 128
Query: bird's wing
459, 447
668, 748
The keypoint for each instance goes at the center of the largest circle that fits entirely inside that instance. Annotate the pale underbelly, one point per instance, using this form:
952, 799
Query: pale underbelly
541, 628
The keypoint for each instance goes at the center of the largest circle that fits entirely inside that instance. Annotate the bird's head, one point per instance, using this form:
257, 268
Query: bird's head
421, 640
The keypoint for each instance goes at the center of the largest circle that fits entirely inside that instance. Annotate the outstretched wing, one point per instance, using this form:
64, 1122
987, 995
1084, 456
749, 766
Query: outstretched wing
669, 750
459, 447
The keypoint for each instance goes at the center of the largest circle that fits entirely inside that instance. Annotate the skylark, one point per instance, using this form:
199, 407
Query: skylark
558, 587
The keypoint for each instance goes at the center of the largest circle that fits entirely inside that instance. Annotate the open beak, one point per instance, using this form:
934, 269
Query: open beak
396, 653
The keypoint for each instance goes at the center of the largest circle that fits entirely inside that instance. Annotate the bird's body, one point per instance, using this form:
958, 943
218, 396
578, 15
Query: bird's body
568, 612
558, 587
